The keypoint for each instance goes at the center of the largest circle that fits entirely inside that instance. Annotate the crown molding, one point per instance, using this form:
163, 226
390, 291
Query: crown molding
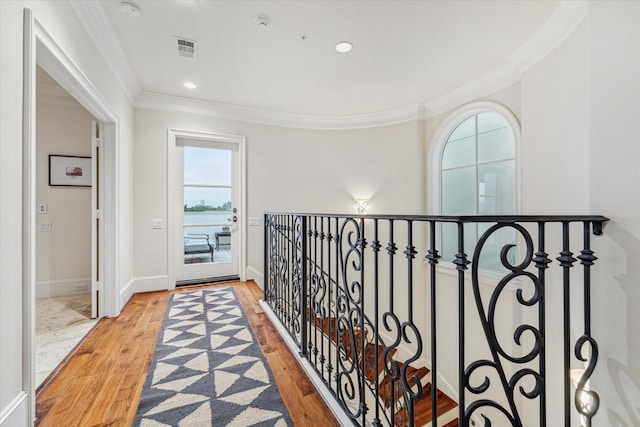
176, 104
93, 18
566, 18
484, 85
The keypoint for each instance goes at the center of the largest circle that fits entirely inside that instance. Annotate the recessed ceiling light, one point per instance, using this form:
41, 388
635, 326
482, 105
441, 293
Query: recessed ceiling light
263, 21
129, 9
190, 85
344, 47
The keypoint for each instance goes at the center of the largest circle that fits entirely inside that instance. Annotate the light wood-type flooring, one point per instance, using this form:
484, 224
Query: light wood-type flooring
101, 383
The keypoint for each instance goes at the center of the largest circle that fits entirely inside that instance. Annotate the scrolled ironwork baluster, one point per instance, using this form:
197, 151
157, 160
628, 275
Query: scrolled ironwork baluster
352, 320
587, 401
299, 279
497, 350
410, 334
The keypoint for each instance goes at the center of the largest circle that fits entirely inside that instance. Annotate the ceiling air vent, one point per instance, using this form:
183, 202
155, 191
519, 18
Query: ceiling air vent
186, 48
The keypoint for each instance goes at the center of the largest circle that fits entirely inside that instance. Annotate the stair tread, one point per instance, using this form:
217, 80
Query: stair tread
371, 372
422, 407
385, 387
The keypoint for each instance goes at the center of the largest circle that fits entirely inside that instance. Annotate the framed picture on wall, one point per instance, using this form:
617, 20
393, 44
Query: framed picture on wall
69, 171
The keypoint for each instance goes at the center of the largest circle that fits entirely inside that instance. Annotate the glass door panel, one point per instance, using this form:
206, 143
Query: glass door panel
209, 211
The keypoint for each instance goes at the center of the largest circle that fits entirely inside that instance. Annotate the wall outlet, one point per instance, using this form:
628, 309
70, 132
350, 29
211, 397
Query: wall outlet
80, 287
254, 220
44, 226
42, 208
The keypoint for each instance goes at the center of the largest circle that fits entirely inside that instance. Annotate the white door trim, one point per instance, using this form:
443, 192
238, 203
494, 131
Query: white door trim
172, 137
41, 49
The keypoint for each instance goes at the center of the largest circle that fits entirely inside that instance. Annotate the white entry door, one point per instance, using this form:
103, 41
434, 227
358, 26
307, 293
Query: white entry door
207, 211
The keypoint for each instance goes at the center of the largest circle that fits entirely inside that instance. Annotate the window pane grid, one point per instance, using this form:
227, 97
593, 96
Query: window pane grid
477, 172
491, 162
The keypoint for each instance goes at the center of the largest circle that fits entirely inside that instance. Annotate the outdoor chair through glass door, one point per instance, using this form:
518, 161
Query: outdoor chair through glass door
207, 191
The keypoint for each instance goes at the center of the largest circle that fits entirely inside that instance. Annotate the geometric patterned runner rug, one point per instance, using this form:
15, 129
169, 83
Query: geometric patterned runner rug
208, 369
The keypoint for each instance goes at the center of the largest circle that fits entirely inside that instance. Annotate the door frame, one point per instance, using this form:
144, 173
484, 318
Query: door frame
172, 221
41, 49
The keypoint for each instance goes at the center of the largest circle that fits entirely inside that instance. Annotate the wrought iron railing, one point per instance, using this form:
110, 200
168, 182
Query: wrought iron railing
400, 333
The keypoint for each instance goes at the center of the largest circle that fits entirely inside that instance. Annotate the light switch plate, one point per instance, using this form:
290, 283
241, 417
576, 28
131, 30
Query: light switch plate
254, 220
157, 224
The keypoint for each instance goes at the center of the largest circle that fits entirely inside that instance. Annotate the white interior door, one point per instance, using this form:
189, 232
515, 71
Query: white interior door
97, 223
207, 210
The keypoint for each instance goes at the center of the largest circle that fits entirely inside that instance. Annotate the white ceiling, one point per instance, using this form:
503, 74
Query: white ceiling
405, 52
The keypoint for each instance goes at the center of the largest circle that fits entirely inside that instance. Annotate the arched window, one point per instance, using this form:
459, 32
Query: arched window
477, 175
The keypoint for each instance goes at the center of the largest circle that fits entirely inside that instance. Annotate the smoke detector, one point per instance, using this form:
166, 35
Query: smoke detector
186, 48
130, 9
263, 21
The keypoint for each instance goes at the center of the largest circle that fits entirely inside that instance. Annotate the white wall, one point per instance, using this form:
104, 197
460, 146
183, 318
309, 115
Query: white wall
13, 403
63, 256
58, 19
288, 170
614, 142
580, 108
555, 155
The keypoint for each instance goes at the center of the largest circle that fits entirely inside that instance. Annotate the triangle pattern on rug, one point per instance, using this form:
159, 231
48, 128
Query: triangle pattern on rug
208, 368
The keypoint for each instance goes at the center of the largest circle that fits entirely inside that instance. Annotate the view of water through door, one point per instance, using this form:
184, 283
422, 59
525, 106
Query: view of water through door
209, 214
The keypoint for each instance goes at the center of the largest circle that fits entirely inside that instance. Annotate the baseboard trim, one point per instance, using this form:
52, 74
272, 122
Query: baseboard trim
255, 275
144, 284
62, 288
340, 415
16, 413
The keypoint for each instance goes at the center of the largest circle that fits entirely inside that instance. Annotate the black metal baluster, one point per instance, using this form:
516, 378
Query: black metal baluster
375, 247
542, 261
566, 262
289, 243
334, 322
315, 287
433, 258
266, 274
589, 407
393, 375
410, 254
362, 243
290, 284
321, 308
461, 263
303, 291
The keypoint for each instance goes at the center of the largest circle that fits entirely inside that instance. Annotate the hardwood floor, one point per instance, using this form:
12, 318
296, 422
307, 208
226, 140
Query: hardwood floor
102, 381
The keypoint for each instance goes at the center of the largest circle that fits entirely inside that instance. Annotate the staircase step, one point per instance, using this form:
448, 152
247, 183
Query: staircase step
326, 323
422, 406
422, 410
423, 374
370, 362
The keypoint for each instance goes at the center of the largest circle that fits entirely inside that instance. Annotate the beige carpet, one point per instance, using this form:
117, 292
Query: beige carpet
61, 323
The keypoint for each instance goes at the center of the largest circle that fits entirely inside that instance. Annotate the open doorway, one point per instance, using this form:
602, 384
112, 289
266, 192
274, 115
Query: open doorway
40, 49
64, 311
